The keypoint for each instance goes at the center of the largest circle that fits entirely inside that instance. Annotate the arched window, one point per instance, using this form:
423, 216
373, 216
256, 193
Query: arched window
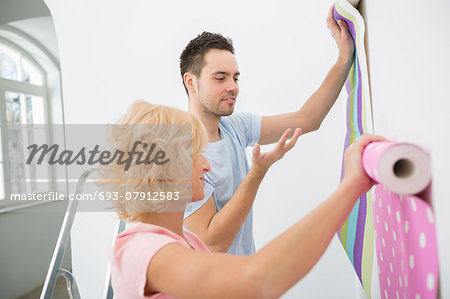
29, 84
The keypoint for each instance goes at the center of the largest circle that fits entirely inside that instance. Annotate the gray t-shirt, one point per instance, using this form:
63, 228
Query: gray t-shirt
229, 167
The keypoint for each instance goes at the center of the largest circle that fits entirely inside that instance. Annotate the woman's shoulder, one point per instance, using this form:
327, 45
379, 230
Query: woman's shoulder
195, 242
150, 235
144, 230
142, 236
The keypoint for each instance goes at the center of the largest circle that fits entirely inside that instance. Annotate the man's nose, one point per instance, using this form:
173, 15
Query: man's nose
232, 86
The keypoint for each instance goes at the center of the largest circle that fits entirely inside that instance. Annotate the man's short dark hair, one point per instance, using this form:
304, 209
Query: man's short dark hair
192, 59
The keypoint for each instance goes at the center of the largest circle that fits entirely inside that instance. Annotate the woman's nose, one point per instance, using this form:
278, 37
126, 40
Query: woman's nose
206, 165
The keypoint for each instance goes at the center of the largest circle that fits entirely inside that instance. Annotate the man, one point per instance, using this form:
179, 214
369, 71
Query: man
224, 218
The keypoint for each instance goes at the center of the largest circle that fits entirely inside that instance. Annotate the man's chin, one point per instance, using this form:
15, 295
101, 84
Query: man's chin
227, 112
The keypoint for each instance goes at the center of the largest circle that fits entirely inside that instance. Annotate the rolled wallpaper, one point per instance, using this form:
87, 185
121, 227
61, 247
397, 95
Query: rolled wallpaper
402, 168
405, 234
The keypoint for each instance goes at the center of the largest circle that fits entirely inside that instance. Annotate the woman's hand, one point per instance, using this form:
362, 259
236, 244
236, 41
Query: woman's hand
353, 169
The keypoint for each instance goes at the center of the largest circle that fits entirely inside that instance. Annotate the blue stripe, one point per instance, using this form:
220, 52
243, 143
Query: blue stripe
355, 100
351, 231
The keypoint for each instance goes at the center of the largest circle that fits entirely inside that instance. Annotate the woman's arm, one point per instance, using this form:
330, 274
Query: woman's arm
270, 272
186, 273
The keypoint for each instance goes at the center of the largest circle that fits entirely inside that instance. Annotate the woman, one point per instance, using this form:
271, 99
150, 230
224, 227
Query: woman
155, 258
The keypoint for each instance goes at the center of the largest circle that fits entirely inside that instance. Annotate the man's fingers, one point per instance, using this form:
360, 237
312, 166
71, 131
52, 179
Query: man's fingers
297, 133
282, 141
342, 27
333, 26
332, 8
331, 23
256, 150
345, 32
330, 15
342, 24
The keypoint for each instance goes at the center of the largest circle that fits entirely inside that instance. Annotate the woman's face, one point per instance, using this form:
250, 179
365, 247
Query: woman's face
199, 168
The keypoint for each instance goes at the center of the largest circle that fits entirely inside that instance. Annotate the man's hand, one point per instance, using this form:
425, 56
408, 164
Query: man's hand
342, 36
263, 161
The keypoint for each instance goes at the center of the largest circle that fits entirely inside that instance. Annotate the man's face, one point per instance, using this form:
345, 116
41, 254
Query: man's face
217, 86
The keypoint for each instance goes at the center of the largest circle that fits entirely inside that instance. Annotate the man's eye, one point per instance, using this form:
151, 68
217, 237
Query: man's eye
236, 79
220, 79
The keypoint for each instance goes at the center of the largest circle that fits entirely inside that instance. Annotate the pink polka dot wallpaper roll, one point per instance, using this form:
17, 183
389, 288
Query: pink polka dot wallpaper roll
404, 228
403, 168
405, 241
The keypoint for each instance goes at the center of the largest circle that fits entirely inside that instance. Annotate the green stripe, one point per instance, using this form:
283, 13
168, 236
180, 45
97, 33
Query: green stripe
344, 228
352, 106
368, 247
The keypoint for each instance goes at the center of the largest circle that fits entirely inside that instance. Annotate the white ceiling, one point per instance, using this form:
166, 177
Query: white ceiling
14, 10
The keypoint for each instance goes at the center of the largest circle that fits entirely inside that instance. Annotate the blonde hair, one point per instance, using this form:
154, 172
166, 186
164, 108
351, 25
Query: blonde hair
178, 133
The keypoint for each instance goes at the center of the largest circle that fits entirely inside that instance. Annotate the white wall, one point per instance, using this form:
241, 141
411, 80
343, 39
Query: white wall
409, 46
114, 52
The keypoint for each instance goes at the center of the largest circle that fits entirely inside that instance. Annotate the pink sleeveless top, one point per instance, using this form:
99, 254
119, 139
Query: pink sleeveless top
132, 252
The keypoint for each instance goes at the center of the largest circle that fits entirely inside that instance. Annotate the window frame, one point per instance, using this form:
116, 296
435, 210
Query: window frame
26, 88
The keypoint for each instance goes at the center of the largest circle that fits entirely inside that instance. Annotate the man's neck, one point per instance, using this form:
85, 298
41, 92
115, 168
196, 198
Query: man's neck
211, 123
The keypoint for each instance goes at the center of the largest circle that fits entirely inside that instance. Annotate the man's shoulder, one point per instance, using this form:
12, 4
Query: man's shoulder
238, 119
234, 124
244, 126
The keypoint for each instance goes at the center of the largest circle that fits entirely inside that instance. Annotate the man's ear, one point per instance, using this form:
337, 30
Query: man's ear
190, 82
